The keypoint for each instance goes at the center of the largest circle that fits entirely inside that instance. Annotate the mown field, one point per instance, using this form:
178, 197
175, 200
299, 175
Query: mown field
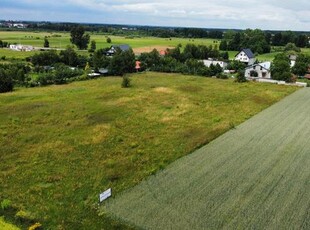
255, 176
63, 145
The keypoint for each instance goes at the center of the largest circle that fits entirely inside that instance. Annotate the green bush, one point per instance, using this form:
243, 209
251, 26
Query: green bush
222, 76
5, 204
240, 77
6, 81
46, 79
126, 82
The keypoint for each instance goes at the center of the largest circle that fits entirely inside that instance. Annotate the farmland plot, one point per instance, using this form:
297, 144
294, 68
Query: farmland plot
256, 176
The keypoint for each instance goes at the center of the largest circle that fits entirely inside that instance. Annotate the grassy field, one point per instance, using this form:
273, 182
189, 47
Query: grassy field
266, 57
63, 145
255, 176
62, 40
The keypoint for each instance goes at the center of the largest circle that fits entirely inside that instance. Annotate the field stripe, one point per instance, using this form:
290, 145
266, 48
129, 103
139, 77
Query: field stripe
254, 176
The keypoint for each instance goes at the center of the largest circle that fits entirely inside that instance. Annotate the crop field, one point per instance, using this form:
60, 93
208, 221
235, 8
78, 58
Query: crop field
63, 145
256, 176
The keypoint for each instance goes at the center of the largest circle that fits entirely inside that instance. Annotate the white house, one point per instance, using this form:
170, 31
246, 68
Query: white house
114, 48
19, 25
260, 70
21, 48
211, 61
246, 56
292, 58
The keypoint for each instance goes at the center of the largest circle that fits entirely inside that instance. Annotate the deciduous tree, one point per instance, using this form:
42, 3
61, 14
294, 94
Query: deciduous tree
79, 38
280, 68
46, 43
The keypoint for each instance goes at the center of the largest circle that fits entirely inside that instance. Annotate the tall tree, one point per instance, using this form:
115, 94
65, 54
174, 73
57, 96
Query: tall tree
79, 38
92, 46
69, 57
6, 81
122, 62
280, 68
46, 43
302, 40
99, 59
277, 39
301, 66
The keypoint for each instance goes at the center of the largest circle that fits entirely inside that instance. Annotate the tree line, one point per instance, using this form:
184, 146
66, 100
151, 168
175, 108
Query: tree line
260, 42
187, 61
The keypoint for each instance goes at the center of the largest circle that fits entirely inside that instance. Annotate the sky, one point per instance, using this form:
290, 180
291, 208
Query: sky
230, 14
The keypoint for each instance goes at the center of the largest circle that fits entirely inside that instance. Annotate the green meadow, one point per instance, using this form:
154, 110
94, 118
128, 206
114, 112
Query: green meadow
63, 145
60, 40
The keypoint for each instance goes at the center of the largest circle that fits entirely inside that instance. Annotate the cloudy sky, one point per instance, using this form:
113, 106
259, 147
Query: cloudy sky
239, 14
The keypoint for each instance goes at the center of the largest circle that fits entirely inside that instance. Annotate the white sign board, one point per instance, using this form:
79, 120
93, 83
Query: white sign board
105, 195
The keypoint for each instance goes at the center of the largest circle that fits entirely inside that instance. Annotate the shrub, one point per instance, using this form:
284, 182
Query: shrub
45, 58
46, 79
240, 77
126, 82
6, 82
222, 76
5, 204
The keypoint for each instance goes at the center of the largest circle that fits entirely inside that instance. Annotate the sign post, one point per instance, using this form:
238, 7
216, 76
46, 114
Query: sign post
105, 195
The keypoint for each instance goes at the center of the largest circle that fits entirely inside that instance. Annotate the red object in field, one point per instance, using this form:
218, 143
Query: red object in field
138, 63
163, 52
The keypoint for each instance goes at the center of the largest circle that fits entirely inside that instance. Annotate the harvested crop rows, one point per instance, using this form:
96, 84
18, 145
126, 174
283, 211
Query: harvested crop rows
255, 176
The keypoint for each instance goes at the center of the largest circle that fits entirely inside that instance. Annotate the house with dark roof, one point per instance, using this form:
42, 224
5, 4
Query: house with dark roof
113, 49
246, 56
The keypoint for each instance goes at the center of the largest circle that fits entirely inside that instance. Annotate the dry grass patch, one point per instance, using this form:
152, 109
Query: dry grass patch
148, 49
163, 90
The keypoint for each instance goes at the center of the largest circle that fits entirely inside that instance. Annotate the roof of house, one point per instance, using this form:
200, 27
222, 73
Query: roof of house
292, 57
123, 47
307, 76
248, 52
265, 65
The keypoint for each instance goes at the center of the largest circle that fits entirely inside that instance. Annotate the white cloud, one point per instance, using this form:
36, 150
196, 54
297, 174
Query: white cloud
265, 14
